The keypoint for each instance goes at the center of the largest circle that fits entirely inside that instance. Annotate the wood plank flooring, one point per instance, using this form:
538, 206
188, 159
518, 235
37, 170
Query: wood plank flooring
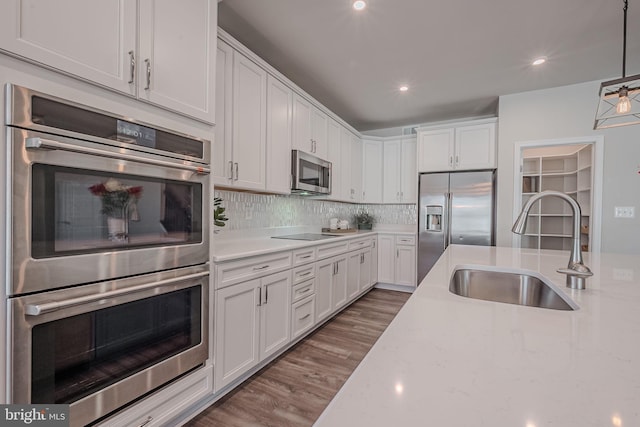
294, 389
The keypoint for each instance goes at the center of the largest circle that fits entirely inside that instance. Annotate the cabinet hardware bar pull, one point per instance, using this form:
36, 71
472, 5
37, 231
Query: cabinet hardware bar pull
305, 274
146, 422
450, 160
457, 161
46, 144
266, 294
305, 291
132, 67
148, 64
47, 307
230, 169
397, 253
237, 173
305, 316
261, 268
305, 257
259, 297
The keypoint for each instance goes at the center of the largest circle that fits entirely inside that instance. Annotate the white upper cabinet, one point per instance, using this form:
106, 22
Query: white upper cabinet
279, 110
98, 42
346, 190
465, 146
164, 56
249, 123
239, 148
176, 60
334, 155
309, 128
372, 171
222, 147
400, 176
356, 168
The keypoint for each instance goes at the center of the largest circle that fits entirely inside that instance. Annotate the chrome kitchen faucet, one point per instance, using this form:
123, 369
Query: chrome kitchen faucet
576, 271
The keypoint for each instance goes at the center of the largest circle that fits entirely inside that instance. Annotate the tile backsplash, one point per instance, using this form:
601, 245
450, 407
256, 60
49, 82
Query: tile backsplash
254, 211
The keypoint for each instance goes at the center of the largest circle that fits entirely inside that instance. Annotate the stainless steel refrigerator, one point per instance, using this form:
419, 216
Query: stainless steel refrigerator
454, 208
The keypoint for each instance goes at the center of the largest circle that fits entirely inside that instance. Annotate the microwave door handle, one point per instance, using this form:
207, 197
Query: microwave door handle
47, 307
37, 143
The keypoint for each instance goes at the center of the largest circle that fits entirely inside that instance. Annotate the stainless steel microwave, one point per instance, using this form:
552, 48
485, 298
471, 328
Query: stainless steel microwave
310, 174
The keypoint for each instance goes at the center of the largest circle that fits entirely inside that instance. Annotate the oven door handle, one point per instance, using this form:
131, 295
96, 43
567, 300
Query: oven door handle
36, 143
48, 307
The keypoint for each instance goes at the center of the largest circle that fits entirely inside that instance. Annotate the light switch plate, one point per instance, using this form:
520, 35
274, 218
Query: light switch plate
624, 212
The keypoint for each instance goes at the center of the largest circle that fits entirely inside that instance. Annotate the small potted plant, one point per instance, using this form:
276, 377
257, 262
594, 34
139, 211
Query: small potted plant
219, 218
364, 221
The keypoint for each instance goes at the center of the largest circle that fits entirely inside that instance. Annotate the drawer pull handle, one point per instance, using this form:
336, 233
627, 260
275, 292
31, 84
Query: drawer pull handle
305, 316
260, 268
305, 274
304, 292
305, 257
146, 422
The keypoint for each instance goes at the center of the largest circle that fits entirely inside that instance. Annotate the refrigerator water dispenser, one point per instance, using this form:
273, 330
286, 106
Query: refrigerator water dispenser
434, 218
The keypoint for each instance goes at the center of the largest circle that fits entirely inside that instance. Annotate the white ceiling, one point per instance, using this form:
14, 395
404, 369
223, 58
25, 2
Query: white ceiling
456, 56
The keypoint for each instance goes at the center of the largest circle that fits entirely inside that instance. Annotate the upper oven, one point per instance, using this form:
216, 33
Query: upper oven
94, 196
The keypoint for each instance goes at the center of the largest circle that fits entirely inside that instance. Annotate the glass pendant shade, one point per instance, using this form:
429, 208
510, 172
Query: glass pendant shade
619, 103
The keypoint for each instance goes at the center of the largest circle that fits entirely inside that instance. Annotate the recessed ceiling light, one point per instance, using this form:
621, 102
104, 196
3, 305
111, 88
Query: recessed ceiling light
404, 88
359, 4
539, 61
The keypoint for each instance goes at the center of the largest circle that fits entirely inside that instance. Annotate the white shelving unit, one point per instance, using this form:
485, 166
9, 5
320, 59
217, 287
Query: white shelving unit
550, 220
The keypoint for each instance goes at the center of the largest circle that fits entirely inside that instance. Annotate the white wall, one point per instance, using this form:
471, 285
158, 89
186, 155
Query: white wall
565, 112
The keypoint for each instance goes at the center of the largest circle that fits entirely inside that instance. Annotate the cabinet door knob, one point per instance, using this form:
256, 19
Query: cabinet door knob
237, 171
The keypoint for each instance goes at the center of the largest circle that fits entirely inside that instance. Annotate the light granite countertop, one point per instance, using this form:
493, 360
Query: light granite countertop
447, 360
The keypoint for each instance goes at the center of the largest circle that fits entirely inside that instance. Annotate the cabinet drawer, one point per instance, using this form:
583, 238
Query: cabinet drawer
303, 290
161, 407
303, 256
359, 243
232, 272
300, 274
302, 315
331, 249
405, 240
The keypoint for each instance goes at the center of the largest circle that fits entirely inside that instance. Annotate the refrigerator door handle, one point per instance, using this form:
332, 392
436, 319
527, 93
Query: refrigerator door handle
448, 198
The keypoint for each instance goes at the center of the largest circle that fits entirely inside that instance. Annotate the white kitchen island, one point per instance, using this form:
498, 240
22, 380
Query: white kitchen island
447, 360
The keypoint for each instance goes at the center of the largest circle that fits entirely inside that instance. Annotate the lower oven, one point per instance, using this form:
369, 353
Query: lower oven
99, 347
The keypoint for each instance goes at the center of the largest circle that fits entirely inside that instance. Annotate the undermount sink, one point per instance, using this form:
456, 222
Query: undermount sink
508, 286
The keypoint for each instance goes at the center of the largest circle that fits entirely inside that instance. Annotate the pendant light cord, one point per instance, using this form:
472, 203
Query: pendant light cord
624, 39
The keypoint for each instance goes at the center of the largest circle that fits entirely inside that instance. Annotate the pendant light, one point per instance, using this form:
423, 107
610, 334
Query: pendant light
619, 99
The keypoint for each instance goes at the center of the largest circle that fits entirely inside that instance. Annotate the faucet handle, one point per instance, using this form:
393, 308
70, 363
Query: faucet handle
577, 273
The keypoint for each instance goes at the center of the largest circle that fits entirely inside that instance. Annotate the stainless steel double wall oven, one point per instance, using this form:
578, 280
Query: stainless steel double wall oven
108, 255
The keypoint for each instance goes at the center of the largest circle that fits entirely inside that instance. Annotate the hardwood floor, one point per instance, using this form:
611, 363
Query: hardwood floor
294, 389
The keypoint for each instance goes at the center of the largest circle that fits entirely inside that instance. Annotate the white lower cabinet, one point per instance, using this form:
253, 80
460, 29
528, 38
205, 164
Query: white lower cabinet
359, 272
397, 259
331, 286
252, 322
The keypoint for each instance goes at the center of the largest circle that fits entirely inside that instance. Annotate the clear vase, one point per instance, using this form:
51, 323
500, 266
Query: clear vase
118, 227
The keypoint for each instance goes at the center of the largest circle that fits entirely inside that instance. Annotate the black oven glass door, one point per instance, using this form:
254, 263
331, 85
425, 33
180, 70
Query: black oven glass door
77, 211
313, 174
76, 356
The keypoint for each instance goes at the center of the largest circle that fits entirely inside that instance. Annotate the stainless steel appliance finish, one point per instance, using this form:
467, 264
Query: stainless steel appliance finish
84, 359
309, 174
454, 208
508, 287
42, 149
576, 271
305, 236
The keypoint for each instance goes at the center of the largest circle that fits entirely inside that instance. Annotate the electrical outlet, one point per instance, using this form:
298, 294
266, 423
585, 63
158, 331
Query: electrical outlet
625, 274
624, 212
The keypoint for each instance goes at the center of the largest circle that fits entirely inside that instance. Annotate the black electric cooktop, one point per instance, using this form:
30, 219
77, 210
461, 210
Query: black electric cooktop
304, 236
